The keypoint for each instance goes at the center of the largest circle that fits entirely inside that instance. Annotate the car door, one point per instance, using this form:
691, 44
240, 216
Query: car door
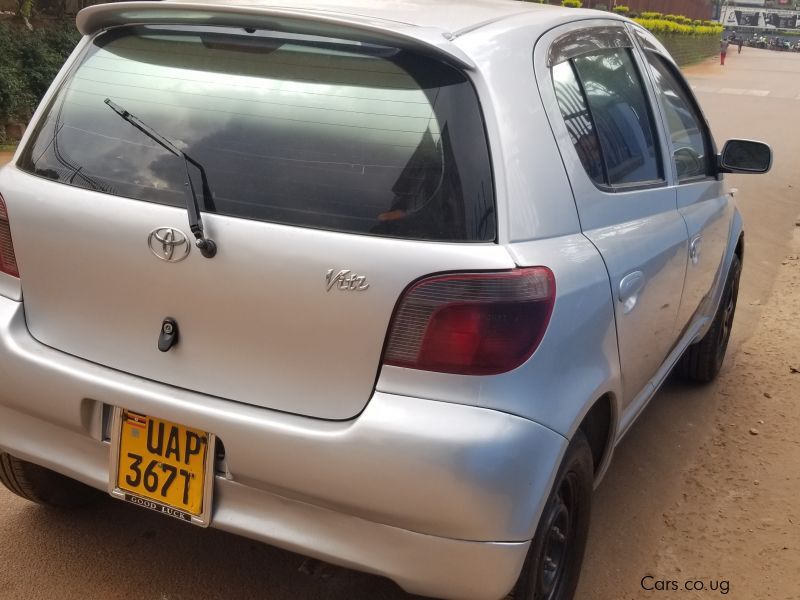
703, 201
592, 85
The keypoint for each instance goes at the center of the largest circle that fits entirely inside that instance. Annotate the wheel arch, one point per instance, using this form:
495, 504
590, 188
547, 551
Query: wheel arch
599, 425
739, 250
735, 247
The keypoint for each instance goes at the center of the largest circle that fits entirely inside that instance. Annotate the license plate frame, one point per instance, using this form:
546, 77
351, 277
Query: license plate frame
201, 519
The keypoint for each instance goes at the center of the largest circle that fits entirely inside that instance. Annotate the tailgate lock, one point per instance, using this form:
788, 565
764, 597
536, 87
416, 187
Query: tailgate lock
169, 334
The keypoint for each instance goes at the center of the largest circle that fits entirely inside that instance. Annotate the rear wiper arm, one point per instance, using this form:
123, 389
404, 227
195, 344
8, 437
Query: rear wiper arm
208, 247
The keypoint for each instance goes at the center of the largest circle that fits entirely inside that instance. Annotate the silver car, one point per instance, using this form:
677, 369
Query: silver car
379, 283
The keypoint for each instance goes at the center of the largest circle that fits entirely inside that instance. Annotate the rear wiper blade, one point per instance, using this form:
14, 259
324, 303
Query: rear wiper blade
208, 247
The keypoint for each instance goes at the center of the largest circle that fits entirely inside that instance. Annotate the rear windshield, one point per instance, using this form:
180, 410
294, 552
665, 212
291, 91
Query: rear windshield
299, 130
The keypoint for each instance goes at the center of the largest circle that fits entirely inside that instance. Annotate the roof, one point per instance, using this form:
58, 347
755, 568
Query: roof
453, 16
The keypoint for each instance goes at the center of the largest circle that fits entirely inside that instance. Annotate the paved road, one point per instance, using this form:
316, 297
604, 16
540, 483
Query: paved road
118, 551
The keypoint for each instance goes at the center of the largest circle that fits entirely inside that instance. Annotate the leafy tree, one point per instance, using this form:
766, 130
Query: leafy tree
29, 60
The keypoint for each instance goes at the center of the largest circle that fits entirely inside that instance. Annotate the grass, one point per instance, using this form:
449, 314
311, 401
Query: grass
8, 148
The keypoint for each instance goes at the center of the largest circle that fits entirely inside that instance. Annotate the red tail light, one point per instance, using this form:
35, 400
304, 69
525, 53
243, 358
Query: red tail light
472, 324
8, 261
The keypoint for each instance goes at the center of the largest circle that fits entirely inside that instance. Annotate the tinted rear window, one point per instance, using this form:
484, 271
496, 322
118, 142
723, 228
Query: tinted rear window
622, 116
290, 129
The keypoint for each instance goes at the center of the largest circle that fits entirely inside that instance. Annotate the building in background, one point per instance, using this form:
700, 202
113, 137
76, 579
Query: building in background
761, 14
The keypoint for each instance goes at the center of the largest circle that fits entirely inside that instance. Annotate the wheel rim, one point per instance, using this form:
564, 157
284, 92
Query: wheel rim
559, 535
727, 323
727, 318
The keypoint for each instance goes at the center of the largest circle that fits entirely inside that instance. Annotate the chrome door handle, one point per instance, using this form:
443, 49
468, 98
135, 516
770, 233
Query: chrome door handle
629, 288
694, 249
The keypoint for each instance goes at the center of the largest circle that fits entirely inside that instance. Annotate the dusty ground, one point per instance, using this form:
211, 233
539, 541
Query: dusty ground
738, 517
692, 494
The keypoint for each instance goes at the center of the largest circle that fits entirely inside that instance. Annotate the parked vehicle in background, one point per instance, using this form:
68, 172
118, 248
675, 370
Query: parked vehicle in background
778, 43
771, 42
757, 41
384, 286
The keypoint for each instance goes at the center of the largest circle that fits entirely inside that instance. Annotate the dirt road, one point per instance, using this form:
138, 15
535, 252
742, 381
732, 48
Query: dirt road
692, 494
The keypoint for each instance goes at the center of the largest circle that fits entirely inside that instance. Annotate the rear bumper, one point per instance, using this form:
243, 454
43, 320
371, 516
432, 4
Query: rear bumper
441, 498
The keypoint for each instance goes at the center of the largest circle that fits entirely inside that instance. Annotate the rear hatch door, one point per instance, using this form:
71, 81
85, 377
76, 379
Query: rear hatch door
340, 174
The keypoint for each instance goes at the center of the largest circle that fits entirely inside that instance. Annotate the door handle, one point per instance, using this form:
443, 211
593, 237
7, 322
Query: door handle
694, 249
629, 288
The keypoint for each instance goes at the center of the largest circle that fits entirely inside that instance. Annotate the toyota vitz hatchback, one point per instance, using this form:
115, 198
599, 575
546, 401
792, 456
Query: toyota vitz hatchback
380, 283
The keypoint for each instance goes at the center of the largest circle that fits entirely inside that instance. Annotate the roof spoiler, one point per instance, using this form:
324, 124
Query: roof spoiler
424, 40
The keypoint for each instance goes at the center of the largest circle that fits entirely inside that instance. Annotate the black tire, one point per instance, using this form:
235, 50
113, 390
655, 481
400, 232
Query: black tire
44, 486
702, 360
553, 564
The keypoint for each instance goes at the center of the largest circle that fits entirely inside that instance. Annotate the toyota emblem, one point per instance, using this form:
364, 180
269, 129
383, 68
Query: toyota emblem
169, 244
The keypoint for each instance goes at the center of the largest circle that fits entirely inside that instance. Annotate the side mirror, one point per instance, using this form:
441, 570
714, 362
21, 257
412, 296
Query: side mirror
745, 156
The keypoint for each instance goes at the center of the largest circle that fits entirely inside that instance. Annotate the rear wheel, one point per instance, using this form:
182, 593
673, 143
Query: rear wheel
554, 560
702, 360
44, 486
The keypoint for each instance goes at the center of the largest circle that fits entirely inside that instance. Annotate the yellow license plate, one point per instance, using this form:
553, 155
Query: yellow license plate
163, 465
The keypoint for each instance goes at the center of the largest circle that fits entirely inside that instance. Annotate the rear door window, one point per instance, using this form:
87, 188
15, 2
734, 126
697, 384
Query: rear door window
619, 136
622, 115
298, 130
572, 103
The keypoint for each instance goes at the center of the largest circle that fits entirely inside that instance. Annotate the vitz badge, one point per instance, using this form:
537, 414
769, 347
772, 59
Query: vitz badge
346, 280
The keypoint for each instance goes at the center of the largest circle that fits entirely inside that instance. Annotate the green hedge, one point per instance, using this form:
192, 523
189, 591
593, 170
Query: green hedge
666, 26
29, 60
688, 41
689, 49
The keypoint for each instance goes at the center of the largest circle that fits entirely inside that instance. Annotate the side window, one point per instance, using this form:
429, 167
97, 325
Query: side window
622, 115
576, 115
690, 143
602, 92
